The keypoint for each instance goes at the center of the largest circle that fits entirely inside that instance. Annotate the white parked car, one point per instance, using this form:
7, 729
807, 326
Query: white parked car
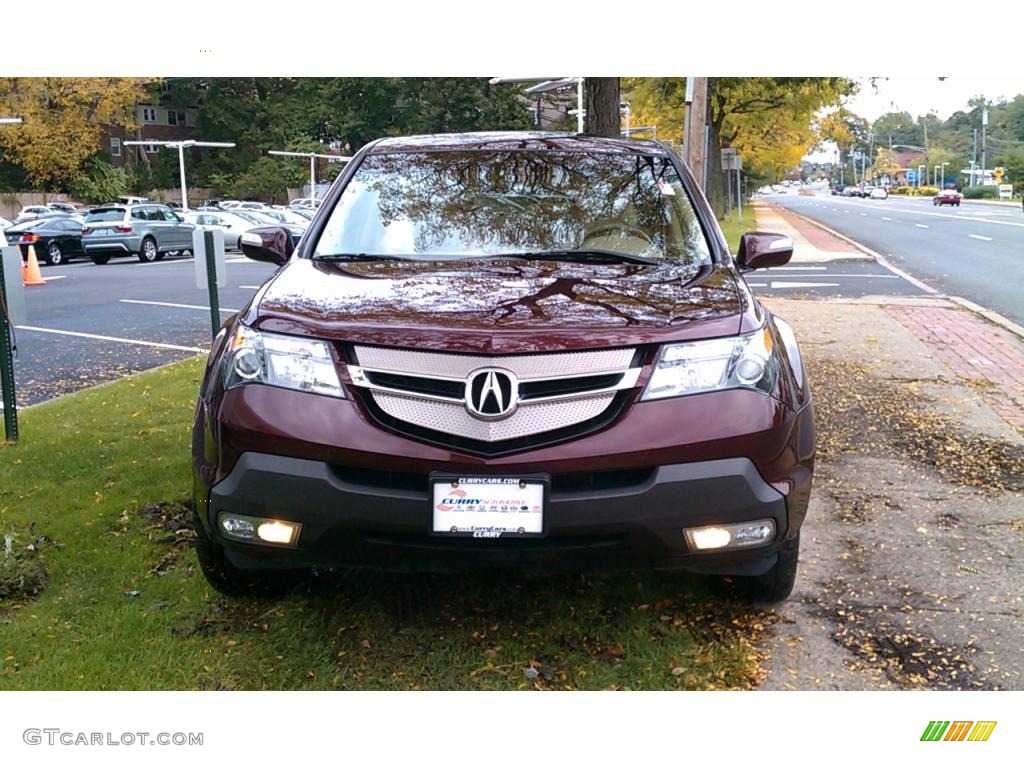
878, 193
30, 212
230, 223
287, 217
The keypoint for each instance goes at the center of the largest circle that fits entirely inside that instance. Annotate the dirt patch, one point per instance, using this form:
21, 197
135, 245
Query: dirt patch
22, 571
859, 413
886, 639
170, 524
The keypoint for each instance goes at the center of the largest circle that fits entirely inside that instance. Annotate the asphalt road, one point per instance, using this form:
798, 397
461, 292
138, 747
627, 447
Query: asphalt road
975, 251
91, 323
840, 279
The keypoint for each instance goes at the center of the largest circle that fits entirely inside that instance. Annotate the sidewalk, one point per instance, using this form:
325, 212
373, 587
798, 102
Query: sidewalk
810, 244
973, 348
909, 575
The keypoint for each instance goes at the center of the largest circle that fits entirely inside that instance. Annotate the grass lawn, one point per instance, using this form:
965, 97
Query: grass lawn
735, 227
124, 606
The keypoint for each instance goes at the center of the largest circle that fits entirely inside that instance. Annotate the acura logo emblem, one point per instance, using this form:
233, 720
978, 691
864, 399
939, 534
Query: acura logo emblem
492, 393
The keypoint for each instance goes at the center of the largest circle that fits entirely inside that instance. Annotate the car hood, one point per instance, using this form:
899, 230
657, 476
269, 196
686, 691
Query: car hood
501, 305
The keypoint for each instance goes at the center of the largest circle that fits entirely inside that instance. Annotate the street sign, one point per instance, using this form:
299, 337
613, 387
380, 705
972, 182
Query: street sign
1005, 191
911, 177
731, 161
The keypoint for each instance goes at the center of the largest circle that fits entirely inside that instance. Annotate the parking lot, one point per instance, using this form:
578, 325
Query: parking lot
91, 324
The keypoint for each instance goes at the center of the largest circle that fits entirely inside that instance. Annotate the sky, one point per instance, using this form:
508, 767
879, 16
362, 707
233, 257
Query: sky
920, 95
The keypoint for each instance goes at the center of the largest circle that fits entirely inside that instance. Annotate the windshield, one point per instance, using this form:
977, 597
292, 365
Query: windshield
457, 204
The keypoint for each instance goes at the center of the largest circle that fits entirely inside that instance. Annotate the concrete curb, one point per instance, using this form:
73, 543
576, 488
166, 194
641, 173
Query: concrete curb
987, 314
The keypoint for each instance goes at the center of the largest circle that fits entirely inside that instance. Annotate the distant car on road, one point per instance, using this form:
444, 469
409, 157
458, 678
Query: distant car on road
838, 189
878, 193
150, 231
55, 238
947, 197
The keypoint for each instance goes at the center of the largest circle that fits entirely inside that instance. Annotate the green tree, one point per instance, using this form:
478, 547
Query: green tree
62, 121
98, 182
267, 179
768, 119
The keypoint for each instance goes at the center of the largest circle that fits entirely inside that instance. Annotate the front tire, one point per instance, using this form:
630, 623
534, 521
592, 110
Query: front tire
775, 585
54, 255
148, 252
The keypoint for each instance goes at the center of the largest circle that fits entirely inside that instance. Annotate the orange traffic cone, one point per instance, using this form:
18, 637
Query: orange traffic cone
30, 274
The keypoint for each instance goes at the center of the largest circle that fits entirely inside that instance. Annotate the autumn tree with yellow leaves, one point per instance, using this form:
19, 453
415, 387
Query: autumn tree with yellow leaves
62, 121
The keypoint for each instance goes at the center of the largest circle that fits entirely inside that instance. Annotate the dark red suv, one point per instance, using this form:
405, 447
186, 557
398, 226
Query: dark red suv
513, 349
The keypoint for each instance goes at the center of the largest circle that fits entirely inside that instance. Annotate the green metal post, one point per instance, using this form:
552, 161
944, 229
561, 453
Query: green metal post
211, 282
7, 368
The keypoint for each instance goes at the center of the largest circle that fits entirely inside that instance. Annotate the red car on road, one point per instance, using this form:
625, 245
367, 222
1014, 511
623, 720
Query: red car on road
947, 197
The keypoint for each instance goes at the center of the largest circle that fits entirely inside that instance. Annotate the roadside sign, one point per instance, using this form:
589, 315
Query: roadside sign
199, 251
731, 161
911, 177
15, 291
1005, 191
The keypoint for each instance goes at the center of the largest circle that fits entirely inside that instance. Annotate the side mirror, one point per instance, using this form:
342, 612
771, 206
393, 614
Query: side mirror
178, 217
271, 244
759, 250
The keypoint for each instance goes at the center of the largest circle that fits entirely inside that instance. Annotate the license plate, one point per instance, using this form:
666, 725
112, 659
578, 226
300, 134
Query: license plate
488, 507
100, 232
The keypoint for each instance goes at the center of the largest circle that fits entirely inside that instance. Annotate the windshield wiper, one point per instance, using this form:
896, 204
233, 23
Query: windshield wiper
356, 257
580, 254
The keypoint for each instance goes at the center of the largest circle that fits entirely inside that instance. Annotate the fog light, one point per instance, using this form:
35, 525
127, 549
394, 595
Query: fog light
732, 536
277, 532
710, 538
258, 529
238, 527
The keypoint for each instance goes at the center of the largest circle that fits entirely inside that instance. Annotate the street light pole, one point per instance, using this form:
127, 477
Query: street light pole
181, 146
312, 165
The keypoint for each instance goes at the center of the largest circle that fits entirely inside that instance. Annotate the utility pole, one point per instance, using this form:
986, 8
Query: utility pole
974, 156
984, 128
696, 131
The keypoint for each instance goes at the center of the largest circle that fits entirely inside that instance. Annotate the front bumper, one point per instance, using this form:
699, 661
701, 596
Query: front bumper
353, 521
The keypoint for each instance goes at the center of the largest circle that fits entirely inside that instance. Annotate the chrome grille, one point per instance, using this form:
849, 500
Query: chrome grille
448, 366
555, 391
452, 418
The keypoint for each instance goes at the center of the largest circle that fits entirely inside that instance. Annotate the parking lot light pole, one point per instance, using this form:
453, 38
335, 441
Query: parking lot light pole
312, 165
181, 145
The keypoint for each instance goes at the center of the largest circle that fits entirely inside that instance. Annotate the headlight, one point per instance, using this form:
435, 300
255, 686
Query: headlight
281, 361
748, 362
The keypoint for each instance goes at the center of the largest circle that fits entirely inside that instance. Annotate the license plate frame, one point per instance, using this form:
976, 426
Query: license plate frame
486, 524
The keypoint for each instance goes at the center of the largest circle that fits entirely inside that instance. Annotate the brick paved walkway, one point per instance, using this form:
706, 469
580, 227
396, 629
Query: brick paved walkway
974, 349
